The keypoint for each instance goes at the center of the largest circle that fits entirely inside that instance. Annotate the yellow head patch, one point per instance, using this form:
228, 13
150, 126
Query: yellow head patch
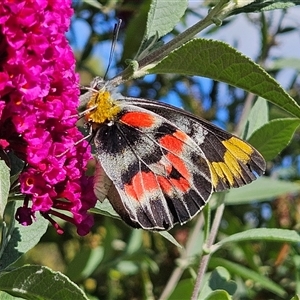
105, 108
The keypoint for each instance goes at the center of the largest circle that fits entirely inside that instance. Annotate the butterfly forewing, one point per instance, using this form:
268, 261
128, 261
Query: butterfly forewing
232, 161
161, 175
158, 165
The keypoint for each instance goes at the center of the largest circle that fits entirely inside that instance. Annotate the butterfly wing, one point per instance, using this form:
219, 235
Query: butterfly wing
104, 188
232, 161
160, 174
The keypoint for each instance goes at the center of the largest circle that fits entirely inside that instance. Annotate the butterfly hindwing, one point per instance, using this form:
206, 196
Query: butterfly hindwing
232, 161
161, 175
105, 188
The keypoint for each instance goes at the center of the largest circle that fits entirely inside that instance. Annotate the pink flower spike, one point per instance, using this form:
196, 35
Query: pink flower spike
4, 144
58, 229
39, 95
25, 216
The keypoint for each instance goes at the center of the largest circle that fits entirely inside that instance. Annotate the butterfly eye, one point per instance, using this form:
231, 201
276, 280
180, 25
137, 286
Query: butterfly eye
97, 83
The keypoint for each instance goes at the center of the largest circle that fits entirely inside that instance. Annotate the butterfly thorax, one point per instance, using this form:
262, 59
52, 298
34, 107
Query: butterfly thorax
101, 108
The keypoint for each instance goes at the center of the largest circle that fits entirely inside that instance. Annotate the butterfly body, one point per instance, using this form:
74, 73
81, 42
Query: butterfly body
158, 165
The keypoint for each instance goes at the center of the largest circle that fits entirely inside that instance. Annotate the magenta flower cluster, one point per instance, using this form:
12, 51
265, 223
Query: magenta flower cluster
38, 112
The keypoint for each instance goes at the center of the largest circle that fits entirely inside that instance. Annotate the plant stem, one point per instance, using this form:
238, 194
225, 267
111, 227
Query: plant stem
185, 255
160, 53
244, 116
205, 258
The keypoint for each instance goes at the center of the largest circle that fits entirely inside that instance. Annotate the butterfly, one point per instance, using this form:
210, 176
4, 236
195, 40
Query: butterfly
158, 165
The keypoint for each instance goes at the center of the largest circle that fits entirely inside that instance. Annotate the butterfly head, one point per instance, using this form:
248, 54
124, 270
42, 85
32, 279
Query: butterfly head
101, 107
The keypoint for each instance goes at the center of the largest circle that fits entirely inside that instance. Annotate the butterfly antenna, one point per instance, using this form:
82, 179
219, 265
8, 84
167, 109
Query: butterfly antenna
113, 46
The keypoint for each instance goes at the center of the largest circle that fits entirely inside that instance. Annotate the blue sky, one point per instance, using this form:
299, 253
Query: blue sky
240, 33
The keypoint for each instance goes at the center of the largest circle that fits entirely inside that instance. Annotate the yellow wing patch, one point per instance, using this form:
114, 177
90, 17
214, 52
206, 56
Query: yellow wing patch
230, 172
240, 149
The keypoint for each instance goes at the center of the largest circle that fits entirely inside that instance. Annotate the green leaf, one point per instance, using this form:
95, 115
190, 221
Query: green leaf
105, 208
219, 279
170, 238
135, 31
274, 136
248, 274
94, 3
282, 63
163, 16
265, 5
21, 239
5, 296
135, 242
16, 166
220, 295
287, 29
296, 261
183, 290
37, 282
262, 189
258, 116
4, 186
219, 61
127, 268
84, 263
266, 234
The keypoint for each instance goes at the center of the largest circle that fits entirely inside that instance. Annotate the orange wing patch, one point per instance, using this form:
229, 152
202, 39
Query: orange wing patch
138, 119
172, 142
141, 183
